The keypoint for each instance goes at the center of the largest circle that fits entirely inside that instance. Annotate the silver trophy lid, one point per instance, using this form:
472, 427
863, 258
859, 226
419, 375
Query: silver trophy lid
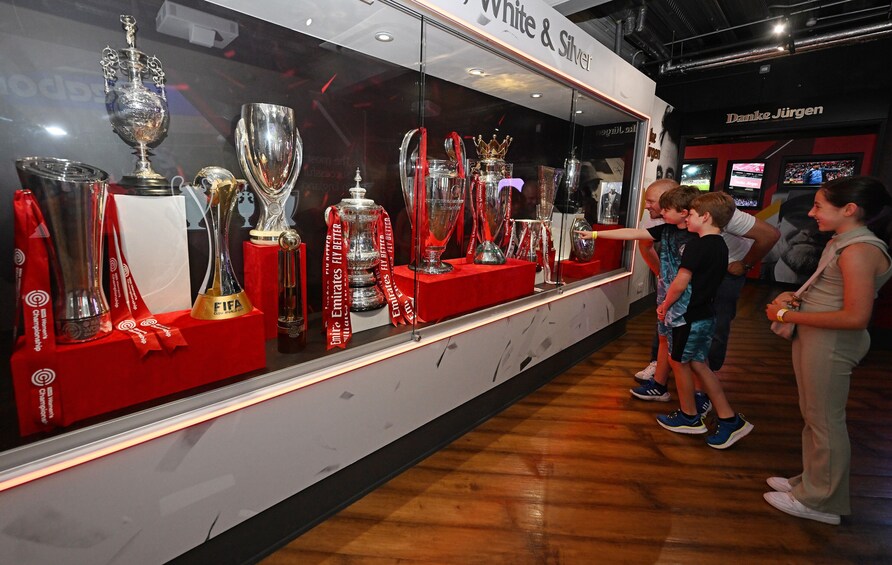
61, 170
357, 200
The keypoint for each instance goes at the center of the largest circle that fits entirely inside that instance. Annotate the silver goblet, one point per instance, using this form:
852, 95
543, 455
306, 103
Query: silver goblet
270, 152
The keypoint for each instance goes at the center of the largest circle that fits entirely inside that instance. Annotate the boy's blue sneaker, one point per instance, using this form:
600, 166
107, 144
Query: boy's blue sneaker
704, 404
728, 433
680, 423
651, 390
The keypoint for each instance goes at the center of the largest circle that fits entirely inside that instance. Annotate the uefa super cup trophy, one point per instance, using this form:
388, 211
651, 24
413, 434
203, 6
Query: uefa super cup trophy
489, 171
444, 195
71, 197
222, 296
138, 114
270, 153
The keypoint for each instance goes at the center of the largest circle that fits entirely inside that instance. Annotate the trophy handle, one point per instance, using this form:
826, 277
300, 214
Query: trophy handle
157, 74
109, 64
406, 169
298, 163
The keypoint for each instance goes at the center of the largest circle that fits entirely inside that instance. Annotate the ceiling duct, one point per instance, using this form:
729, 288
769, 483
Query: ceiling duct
835, 39
638, 34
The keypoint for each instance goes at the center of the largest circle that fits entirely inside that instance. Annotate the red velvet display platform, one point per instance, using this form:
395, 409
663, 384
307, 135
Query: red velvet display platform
467, 288
101, 376
608, 251
573, 270
262, 281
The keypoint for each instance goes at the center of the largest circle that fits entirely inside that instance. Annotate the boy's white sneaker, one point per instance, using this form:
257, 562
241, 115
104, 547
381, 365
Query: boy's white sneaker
646, 373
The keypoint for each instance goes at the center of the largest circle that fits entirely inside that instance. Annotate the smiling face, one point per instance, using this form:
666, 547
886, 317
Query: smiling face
696, 222
828, 216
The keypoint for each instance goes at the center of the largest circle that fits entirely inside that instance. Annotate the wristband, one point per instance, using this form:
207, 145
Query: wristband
594, 235
747, 267
780, 314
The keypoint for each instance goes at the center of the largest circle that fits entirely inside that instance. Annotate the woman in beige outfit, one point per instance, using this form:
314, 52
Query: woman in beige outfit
831, 339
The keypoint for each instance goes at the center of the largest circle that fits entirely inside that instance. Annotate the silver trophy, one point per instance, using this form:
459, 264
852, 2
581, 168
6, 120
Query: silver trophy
360, 214
490, 170
71, 197
138, 114
567, 201
582, 249
444, 195
270, 153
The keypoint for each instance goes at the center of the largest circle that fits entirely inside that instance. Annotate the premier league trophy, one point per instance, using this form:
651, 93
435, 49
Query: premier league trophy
71, 197
138, 115
270, 153
489, 171
223, 298
444, 194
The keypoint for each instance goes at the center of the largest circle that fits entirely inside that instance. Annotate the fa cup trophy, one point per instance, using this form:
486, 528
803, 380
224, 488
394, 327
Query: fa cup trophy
222, 296
270, 153
138, 114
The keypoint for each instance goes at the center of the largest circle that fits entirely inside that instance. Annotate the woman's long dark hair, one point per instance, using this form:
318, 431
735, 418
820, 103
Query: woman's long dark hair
869, 194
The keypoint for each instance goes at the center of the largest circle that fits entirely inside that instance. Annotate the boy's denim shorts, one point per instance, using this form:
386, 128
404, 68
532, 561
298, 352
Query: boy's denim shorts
691, 342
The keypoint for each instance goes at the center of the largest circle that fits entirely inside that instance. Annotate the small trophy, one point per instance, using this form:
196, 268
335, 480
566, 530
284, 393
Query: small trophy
224, 297
270, 153
138, 115
292, 331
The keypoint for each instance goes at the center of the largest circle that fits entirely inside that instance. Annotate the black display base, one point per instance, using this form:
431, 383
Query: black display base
138, 186
265, 533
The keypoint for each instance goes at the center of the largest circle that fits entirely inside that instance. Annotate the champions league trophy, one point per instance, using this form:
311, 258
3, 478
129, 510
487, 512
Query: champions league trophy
138, 115
444, 194
489, 171
270, 153
224, 297
71, 197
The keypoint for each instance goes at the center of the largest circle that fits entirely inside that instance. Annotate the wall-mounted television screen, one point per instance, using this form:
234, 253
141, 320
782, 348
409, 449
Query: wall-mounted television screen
700, 173
745, 183
816, 169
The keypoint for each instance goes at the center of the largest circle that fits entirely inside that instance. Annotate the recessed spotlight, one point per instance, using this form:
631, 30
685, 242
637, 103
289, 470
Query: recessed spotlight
55, 130
578, 111
309, 22
384, 36
476, 72
536, 95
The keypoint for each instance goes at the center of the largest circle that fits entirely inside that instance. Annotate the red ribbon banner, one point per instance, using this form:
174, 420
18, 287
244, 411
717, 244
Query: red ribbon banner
336, 295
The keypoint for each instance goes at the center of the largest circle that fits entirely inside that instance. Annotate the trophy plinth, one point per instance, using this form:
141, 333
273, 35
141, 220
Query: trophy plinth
138, 115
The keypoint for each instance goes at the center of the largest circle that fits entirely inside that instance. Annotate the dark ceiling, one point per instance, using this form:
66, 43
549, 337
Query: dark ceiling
671, 37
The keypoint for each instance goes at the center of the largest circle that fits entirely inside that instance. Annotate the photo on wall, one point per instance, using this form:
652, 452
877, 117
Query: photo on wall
608, 198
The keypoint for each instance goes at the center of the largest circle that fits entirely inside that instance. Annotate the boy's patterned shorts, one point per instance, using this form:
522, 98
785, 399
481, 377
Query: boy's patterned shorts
691, 342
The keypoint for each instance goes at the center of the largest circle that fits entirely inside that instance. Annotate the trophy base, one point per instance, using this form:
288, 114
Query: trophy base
209, 307
260, 237
366, 298
291, 335
488, 253
440, 268
143, 186
80, 330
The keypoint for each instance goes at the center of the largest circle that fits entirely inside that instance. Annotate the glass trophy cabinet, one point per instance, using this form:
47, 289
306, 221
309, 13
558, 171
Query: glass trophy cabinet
429, 181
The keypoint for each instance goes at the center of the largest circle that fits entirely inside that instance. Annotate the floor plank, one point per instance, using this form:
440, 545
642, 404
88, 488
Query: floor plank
579, 472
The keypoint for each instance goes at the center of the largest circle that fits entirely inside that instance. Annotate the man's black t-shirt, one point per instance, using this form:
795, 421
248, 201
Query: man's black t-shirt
707, 259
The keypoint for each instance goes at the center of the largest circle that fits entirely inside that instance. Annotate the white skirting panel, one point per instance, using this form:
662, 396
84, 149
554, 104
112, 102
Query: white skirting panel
155, 501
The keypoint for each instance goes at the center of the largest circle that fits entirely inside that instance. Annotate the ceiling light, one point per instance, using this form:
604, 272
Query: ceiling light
780, 27
384, 36
309, 22
811, 22
536, 95
578, 111
780, 48
55, 130
476, 72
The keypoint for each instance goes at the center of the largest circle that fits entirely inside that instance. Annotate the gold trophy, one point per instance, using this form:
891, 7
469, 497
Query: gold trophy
224, 297
292, 331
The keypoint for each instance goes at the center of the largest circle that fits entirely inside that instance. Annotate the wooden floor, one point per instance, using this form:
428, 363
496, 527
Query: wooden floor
579, 472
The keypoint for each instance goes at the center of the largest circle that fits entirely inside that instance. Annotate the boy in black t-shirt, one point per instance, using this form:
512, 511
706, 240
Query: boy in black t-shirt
703, 265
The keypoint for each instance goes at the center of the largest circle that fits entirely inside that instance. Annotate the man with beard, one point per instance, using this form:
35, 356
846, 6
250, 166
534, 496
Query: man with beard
799, 249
